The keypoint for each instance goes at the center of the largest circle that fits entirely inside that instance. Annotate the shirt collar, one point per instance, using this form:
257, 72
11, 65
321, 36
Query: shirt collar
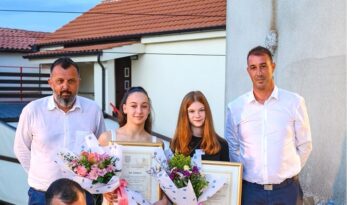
274, 95
52, 105
251, 97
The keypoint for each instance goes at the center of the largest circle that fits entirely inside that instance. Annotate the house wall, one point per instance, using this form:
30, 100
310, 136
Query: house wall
15, 59
86, 88
11, 62
109, 84
310, 60
168, 78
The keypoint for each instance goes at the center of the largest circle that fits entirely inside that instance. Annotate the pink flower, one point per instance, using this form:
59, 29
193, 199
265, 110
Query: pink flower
74, 163
101, 172
93, 174
110, 168
99, 168
84, 153
81, 170
104, 156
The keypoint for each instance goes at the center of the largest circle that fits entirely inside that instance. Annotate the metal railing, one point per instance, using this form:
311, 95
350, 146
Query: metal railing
23, 83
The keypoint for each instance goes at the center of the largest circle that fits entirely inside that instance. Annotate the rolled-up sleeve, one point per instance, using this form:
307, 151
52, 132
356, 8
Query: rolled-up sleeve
23, 139
303, 132
231, 134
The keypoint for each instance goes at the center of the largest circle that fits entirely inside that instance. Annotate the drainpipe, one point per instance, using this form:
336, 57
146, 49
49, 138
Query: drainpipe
103, 81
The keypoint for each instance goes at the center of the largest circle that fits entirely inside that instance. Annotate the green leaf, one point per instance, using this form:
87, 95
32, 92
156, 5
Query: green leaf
179, 161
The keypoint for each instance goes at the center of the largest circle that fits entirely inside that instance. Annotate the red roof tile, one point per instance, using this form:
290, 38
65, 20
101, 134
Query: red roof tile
18, 40
134, 18
80, 50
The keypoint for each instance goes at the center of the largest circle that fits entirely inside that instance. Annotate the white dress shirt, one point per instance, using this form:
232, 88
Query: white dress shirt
271, 140
43, 128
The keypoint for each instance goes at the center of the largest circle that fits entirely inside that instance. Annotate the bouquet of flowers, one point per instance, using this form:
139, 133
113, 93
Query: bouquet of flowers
95, 168
99, 168
181, 179
182, 172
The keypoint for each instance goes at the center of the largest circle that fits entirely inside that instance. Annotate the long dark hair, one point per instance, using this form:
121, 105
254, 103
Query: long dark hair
122, 116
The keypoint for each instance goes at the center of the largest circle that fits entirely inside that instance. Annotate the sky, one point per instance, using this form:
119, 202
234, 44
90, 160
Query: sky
41, 21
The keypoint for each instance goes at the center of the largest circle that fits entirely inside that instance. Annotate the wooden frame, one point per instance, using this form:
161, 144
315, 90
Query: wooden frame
136, 160
230, 193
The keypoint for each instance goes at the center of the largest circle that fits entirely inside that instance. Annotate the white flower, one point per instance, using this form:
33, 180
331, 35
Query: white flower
186, 168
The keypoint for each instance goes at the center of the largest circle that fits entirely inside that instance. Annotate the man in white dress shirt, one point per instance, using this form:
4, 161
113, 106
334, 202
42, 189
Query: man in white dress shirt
53, 122
268, 131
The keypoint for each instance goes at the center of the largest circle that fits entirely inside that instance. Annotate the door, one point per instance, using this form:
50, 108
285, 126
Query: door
122, 78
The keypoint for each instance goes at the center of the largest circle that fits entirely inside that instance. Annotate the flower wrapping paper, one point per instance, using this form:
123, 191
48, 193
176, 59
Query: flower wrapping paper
185, 195
134, 198
91, 144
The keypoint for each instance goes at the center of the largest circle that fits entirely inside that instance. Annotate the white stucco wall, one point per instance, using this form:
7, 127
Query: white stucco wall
11, 62
311, 60
110, 84
87, 80
109, 66
168, 78
15, 59
98, 84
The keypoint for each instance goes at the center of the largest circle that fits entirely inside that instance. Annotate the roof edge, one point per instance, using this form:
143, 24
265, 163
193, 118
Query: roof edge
16, 50
121, 37
75, 53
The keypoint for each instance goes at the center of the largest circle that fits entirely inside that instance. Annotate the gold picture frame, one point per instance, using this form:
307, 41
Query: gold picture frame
230, 193
137, 158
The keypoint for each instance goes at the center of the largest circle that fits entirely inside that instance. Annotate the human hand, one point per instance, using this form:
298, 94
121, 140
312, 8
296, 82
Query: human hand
163, 201
111, 197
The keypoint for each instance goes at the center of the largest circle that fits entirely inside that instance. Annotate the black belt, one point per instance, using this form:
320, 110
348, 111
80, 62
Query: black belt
270, 187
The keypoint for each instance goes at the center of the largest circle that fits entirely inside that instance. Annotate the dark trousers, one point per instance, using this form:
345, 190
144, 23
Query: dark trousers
289, 192
38, 198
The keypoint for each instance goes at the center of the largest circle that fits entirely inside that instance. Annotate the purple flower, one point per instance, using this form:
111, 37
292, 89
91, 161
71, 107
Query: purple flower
195, 170
186, 173
172, 175
174, 169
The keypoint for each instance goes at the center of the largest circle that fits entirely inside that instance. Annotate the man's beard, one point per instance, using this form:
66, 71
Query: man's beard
65, 101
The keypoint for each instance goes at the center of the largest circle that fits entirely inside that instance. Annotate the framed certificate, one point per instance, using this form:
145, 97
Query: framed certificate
230, 193
136, 160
